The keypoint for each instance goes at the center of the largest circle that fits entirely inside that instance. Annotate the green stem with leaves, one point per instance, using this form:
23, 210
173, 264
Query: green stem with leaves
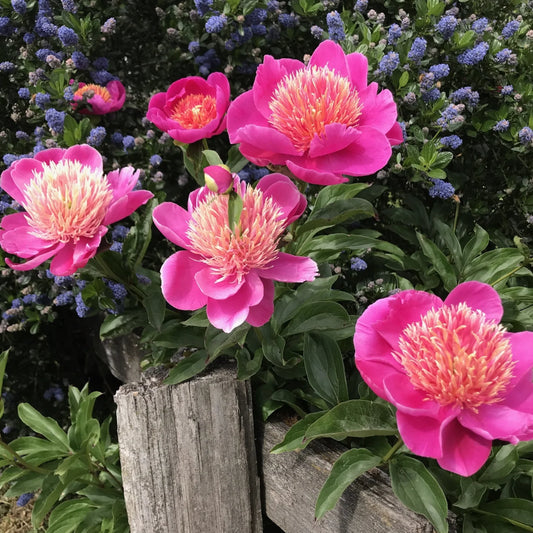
19, 461
505, 276
515, 523
397, 445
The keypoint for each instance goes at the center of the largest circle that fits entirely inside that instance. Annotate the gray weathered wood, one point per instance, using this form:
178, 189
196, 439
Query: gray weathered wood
188, 455
292, 481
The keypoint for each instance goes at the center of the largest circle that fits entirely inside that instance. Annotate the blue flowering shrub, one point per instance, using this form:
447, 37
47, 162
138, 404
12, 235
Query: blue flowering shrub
454, 203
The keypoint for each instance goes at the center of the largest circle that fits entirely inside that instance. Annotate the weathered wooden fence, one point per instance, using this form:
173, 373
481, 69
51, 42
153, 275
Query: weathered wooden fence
191, 463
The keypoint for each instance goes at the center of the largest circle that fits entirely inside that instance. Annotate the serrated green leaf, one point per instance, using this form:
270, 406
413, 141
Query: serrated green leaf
354, 418
325, 368
418, 490
348, 467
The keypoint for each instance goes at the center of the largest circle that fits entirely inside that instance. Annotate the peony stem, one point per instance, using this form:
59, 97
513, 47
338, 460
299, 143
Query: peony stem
392, 451
505, 276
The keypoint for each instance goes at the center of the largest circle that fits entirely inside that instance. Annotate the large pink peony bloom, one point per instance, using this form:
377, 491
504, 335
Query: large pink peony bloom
320, 120
192, 108
232, 271
101, 100
457, 378
68, 203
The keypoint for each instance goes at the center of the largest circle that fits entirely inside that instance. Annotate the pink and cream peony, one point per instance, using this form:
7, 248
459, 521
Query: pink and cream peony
458, 379
192, 108
101, 100
68, 203
322, 120
232, 271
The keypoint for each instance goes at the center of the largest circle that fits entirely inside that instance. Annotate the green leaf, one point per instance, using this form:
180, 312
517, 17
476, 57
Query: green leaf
188, 368
475, 245
331, 193
216, 340
404, 78
235, 206
491, 266
452, 243
236, 161
50, 493
318, 316
212, 157
273, 345
471, 493
419, 490
43, 425
515, 509
439, 262
68, 515
347, 468
325, 368
122, 324
248, 366
27, 481
3, 362
294, 438
354, 418
501, 465
155, 305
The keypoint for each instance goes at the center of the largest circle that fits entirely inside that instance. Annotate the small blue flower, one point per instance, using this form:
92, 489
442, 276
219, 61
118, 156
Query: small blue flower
24, 499
96, 136
116, 138
24, 93
55, 119
480, 25
81, 307
19, 6
203, 6
418, 49
510, 29
80, 61
317, 32
101, 63
432, 95
394, 33
361, 5
472, 56
22, 135
109, 26
389, 63
216, 23
451, 141
440, 71
441, 189
257, 16
67, 36
28, 37
506, 90
358, 264
287, 20
446, 26
45, 28
466, 95
525, 135
6, 27
7, 66
68, 94
501, 125
155, 160
335, 26
505, 55
128, 142
194, 47
64, 298
102, 77
69, 5
42, 100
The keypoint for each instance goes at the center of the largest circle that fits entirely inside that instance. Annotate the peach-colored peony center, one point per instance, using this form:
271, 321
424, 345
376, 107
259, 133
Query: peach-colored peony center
66, 201
96, 90
194, 111
457, 357
308, 100
253, 244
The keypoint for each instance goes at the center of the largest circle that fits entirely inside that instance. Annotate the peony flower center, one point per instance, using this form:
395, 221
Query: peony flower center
253, 244
194, 111
96, 90
66, 201
457, 357
307, 100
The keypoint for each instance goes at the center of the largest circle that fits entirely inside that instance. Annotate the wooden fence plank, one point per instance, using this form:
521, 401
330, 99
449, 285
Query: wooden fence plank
188, 455
292, 481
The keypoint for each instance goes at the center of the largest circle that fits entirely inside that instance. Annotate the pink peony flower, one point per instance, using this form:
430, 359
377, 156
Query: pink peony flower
458, 379
192, 108
321, 120
102, 100
232, 272
68, 202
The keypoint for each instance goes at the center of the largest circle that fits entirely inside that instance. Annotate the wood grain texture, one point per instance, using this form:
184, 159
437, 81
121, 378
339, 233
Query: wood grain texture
188, 455
292, 481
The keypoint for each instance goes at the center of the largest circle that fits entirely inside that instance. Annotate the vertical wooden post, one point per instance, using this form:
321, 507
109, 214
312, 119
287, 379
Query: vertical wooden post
188, 455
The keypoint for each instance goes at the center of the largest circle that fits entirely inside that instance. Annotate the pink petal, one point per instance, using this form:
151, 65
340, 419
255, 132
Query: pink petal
379, 110
266, 143
126, 205
318, 177
330, 54
395, 134
423, 435
285, 194
377, 367
15, 179
498, 421
215, 287
290, 268
463, 452
267, 78
36, 260
122, 181
521, 345
86, 155
118, 94
241, 113
21, 242
260, 314
63, 262
336, 137
401, 393
477, 295
358, 70
52, 154
173, 222
232, 312
14, 220
177, 281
